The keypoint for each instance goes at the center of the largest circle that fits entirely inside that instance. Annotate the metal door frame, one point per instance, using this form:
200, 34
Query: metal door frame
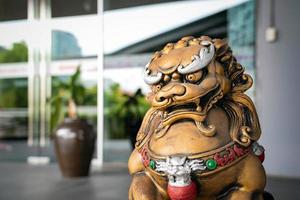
39, 78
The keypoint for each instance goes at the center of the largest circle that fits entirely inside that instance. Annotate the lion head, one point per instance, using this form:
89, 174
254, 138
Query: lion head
188, 77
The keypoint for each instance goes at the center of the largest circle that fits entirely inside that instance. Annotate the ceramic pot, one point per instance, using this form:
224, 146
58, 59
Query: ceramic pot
74, 141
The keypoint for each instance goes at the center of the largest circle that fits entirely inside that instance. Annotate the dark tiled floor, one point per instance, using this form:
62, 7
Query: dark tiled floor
284, 188
23, 182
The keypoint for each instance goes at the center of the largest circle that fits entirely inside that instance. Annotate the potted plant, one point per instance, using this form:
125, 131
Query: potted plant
124, 112
74, 137
134, 109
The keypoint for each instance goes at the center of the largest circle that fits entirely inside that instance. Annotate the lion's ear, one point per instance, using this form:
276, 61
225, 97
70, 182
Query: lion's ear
221, 46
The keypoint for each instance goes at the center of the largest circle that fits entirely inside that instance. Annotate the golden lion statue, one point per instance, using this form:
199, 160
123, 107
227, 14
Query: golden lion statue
198, 139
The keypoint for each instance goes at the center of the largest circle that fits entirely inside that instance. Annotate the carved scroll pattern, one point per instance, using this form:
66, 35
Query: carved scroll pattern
244, 126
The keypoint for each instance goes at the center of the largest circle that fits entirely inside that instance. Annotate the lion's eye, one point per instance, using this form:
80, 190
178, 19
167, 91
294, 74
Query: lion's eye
156, 88
194, 77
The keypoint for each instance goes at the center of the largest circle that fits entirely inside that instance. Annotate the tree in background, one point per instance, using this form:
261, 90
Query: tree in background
18, 53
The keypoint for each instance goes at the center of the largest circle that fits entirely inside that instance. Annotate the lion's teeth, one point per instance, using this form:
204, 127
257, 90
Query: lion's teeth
198, 109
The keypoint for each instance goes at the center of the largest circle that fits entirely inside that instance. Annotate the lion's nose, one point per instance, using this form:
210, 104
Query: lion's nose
170, 91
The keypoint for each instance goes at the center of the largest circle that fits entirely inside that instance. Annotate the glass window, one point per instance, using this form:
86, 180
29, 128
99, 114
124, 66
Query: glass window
124, 108
13, 105
13, 78
74, 37
74, 44
13, 10
13, 93
64, 45
72, 41
16, 52
13, 43
241, 37
65, 8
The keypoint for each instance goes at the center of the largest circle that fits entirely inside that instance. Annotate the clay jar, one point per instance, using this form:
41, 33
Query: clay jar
74, 141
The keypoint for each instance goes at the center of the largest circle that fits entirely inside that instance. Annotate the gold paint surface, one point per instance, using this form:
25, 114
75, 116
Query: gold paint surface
198, 115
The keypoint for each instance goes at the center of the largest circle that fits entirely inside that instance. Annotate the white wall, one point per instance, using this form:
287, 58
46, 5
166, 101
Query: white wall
278, 87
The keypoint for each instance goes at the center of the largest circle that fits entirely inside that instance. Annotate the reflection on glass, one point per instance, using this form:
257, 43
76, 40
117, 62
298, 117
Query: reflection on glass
13, 93
241, 37
74, 37
64, 45
13, 71
13, 10
13, 108
18, 52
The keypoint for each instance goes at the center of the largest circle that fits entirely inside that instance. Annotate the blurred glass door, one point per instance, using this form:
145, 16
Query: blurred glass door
75, 43
42, 44
14, 69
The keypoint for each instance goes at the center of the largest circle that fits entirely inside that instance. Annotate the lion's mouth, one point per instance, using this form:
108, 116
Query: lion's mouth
195, 110
192, 107
199, 105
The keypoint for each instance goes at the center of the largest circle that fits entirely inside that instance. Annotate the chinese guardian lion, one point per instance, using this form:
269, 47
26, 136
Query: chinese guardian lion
198, 139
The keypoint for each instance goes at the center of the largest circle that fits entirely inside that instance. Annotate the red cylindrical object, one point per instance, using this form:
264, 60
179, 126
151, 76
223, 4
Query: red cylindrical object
188, 192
